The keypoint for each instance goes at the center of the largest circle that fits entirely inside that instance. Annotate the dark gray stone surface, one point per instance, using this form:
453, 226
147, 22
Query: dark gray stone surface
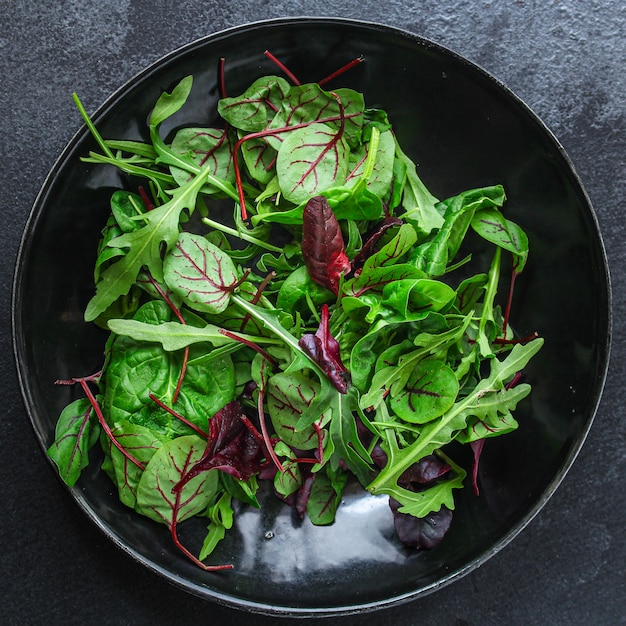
565, 58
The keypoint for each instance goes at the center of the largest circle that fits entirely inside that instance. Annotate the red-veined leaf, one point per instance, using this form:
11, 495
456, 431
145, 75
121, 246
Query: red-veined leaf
200, 273
311, 159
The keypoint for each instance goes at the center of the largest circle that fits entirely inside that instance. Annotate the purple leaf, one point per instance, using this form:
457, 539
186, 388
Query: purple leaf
420, 532
231, 447
323, 348
424, 471
322, 244
477, 448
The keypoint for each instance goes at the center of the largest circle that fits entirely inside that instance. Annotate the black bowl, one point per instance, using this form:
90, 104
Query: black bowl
465, 130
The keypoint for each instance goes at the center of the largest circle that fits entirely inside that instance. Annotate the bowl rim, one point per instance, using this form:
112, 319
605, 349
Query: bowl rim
205, 592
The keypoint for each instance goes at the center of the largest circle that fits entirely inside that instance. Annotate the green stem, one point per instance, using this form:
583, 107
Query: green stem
91, 126
241, 235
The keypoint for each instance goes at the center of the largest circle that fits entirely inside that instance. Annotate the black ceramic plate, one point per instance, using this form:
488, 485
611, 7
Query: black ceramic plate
465, 130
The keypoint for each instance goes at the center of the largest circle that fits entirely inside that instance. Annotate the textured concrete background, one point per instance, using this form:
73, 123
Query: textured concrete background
565, 58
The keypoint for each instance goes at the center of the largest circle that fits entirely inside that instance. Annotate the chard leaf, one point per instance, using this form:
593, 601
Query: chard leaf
322, 245
378, 278
309, 103
230, 448
207, 147
393, 377
256, 106
260, 159
494, 227
289, 396
430, 390
156, 494
325, 497
75, 434
289, 480
200, 273
309, 160
144, 247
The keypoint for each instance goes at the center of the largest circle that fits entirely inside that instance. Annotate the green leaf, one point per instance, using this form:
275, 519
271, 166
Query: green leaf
156, 498
221, 516
75, 434
170, 103
430, 390
256, 106
347, 444
325, 497
311, 159
441, 431
417, 201
434, 254
289, 480
141, 443
288, 398
137, 369
144, 247
494, 227
422, 503
206, 147
175, 336
201, 274
380, 179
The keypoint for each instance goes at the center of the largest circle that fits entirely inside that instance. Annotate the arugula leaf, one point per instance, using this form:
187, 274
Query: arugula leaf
144, 247
487, 395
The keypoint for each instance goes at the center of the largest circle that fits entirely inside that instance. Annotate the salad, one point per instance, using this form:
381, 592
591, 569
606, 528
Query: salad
326, 326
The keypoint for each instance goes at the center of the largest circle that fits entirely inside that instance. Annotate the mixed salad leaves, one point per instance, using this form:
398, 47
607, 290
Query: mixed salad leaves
326, 331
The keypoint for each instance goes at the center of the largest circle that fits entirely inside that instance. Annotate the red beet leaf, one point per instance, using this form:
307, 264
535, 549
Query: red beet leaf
322, 244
